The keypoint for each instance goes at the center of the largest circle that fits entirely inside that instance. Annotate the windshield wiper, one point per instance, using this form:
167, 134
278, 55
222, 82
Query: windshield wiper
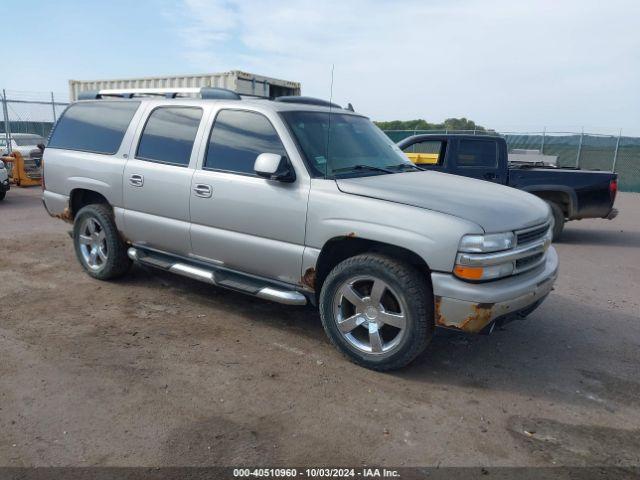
407, 165
363, 166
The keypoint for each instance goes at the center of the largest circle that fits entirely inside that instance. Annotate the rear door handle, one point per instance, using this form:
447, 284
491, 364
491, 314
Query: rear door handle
203, 190
136, 180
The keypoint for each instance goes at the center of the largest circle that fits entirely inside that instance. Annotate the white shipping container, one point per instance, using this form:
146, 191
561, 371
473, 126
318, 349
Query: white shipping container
240, 82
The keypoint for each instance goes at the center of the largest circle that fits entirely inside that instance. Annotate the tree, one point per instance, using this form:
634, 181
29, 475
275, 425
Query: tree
420, 124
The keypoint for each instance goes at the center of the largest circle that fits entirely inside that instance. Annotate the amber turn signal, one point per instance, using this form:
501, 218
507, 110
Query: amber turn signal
468, 273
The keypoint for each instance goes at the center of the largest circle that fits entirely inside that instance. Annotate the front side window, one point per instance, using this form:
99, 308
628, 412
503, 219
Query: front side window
337, 144
169, 135
97, 127
236, 140
426, 152
477, 153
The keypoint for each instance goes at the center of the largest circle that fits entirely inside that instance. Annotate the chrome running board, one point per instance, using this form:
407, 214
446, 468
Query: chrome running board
219, 277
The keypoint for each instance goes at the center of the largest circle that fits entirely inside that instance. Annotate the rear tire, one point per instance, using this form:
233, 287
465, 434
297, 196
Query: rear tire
98, 245
377, 310
558, 217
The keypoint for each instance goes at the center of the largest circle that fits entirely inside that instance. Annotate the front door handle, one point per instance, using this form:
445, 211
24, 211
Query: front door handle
136, 180
203, 190
490, 176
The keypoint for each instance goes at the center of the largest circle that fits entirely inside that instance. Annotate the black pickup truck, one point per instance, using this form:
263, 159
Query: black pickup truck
572, 194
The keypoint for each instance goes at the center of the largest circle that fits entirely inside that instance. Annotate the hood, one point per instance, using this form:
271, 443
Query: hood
494, 207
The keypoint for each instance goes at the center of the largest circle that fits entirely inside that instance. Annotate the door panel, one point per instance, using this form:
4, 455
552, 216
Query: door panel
250, 224
157, 211
478, 158
242, 221
157, 182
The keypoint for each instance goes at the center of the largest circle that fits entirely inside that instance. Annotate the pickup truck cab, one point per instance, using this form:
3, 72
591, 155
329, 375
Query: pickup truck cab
571, 193
297, 201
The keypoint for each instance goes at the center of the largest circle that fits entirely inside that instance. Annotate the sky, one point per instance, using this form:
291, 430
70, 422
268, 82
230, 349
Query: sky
508, 65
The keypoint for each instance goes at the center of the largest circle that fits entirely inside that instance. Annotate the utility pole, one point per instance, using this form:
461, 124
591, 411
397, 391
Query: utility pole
53, 107
7, 124
615, 154
579, 148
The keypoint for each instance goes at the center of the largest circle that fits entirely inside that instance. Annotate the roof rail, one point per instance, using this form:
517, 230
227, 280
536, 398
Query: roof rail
204, 92
307, 101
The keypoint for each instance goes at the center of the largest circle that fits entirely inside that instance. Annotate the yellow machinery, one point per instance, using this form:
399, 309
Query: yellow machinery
424, 158
22, 173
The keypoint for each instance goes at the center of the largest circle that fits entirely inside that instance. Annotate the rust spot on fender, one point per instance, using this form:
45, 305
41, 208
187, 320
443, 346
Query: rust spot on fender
440, 320
65, 215
309, 278
351, 235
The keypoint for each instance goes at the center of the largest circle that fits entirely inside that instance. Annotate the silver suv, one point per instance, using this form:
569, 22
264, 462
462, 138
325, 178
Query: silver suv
296, 201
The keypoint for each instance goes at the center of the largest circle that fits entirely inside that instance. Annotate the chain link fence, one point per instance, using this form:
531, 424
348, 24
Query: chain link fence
36, 112
27, 113
589, 151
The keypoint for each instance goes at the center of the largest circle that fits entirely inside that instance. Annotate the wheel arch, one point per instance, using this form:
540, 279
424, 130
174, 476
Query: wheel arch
337, 249
81, 197
565, 197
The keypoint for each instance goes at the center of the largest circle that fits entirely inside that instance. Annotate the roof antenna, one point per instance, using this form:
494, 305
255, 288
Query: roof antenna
326, 163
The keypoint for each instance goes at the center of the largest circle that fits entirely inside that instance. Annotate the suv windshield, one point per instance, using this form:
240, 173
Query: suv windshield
344, 145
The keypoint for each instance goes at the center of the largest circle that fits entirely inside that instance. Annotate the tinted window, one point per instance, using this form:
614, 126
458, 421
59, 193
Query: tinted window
93, 126
477, 153
169, 134
237, 138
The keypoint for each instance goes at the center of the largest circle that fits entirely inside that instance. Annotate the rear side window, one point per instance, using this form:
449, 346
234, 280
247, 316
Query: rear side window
97, 127
169, 135
237, 138
477, 153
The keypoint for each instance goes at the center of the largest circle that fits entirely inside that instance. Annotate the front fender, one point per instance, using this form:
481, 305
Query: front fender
431, 235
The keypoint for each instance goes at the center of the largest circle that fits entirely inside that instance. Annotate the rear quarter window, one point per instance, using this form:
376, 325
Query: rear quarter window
97, 127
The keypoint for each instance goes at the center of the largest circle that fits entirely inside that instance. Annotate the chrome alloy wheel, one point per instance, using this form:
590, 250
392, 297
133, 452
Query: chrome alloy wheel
93, 244
369, 314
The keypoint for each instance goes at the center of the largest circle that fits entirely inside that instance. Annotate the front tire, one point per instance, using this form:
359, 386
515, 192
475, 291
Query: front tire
377, 310
558, 217
2, 195
98, 245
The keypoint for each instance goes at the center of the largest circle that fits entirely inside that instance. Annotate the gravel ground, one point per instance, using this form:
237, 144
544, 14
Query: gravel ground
159, 370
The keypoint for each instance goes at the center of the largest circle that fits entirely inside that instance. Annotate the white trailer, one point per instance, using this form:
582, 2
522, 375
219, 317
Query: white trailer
240, 82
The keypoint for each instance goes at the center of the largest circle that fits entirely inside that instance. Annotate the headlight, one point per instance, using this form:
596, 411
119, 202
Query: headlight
493, 242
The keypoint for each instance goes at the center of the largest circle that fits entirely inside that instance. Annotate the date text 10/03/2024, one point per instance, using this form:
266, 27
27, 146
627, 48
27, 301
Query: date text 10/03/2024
316, 473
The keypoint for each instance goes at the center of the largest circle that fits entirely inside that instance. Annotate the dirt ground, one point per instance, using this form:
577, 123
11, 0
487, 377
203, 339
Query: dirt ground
159, 370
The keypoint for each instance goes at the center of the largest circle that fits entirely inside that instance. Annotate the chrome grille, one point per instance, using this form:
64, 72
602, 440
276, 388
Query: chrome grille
531, 234
528, 262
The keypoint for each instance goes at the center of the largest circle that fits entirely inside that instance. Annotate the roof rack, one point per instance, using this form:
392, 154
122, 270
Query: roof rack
204, 92
209, 93
306, 101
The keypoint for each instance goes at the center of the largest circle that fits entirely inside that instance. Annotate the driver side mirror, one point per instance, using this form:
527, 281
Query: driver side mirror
274, 167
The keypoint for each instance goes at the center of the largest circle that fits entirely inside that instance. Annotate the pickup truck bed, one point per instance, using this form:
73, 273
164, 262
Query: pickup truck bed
572, 194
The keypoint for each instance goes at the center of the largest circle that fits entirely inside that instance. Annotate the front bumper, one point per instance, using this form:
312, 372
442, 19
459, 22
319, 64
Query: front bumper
471, 307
